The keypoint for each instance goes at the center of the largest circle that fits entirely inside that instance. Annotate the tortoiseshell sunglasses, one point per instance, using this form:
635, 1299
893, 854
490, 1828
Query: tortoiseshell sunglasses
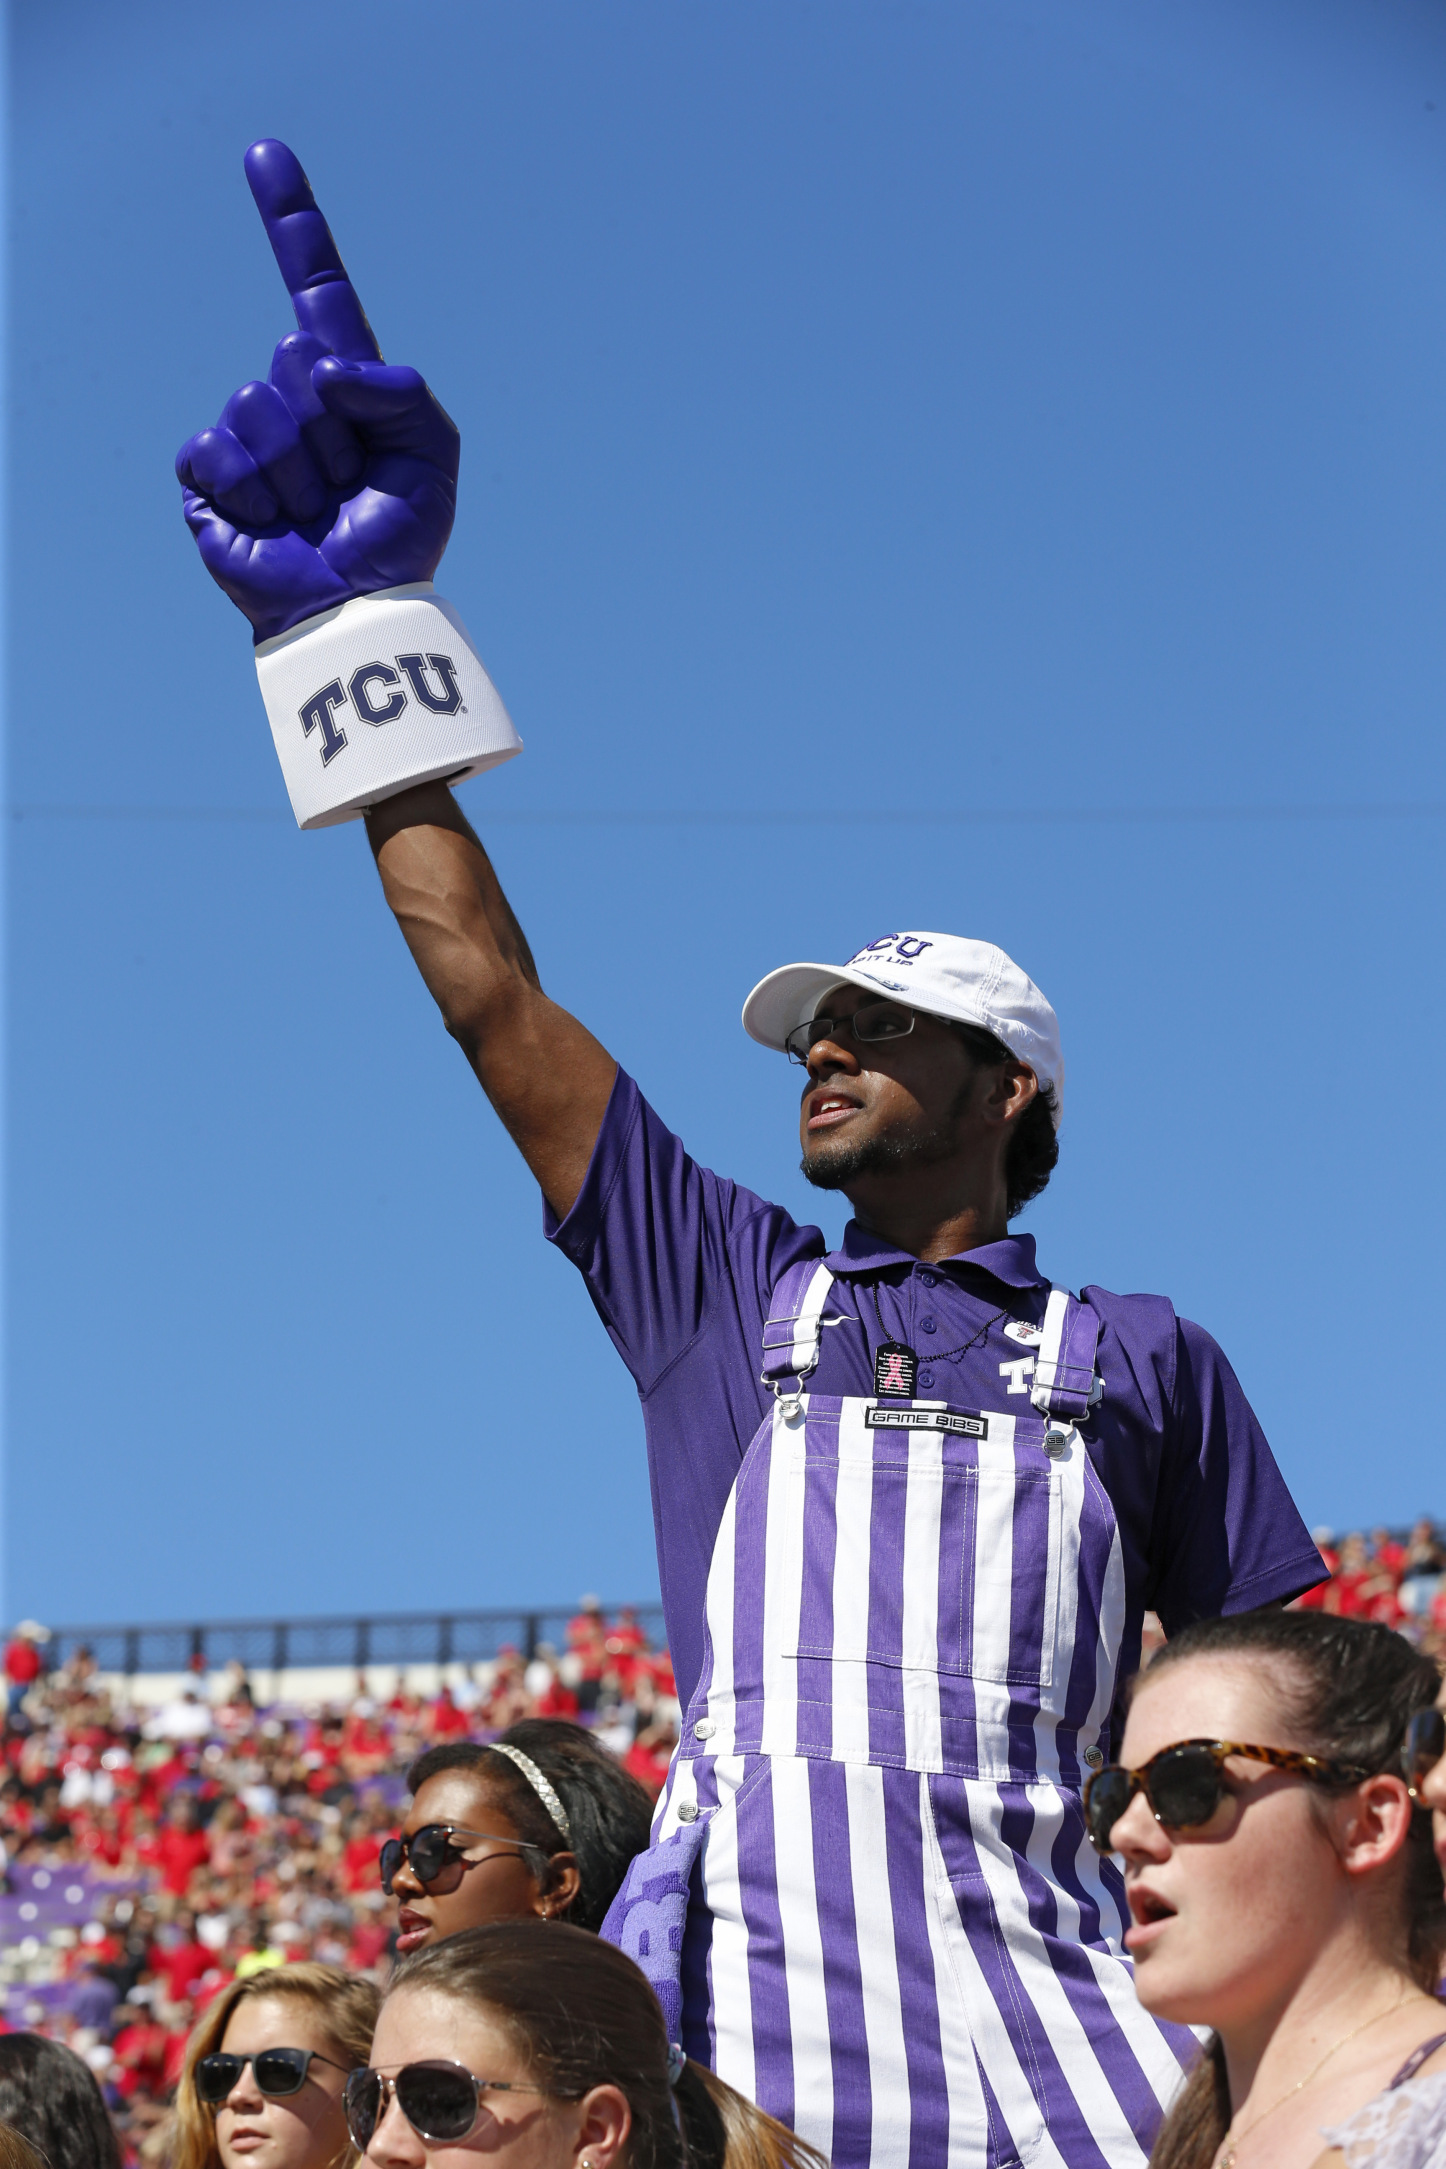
1185, 1784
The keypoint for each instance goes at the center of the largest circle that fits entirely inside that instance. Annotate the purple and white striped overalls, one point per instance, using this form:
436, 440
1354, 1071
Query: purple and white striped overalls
897, 1936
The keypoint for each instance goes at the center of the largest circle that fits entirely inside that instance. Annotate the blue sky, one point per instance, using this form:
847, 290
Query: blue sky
973, 466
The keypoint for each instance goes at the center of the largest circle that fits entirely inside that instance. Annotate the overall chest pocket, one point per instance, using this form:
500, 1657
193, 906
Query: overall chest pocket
922, 1556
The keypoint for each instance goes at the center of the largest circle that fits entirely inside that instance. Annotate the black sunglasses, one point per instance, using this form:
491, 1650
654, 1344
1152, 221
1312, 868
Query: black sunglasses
1424, 1746
439, 2100
870, 1023
278, 2072
430, 1849
1185, 1784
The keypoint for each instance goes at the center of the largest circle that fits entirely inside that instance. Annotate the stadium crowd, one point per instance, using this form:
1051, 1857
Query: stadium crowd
156, 1854
152, 1854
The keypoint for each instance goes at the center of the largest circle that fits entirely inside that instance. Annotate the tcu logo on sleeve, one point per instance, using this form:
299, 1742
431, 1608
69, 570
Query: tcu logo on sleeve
377, 695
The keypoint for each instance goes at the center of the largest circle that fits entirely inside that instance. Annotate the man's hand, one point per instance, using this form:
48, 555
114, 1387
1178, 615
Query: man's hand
339, 475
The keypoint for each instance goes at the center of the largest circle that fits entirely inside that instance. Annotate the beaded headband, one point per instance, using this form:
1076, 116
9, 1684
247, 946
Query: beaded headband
539, 1784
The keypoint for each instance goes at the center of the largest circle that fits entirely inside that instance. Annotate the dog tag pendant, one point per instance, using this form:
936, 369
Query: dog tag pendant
896, 1369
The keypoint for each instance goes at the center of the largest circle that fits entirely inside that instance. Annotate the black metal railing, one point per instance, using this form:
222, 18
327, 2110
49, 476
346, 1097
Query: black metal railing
280, 1645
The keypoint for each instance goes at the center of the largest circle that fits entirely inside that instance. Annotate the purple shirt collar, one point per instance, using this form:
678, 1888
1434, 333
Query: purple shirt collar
1011, 1261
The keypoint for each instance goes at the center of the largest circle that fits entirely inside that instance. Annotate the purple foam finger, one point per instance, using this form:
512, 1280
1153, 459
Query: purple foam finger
220, 468
307, 257
334, 443
260, 420
392, 408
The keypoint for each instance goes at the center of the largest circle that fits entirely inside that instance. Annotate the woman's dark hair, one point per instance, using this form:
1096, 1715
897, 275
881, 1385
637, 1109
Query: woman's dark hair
1347, 1689
51, 2098
582, 2015
1034, 1147
610, 1813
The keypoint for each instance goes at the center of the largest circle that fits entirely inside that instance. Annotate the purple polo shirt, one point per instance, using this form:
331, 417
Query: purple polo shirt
680, 1264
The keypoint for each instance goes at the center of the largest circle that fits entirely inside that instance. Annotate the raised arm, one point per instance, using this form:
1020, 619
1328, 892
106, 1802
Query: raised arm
333, 482
545, 1074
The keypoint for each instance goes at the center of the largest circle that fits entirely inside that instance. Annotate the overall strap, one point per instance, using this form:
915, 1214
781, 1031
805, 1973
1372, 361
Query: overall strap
795, 1322
1066, 1382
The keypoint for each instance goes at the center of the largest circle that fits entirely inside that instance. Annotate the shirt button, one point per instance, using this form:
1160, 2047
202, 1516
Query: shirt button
929, 1280
928, 1325
926, 1379
704, 1729
1094, 1758
687, 1811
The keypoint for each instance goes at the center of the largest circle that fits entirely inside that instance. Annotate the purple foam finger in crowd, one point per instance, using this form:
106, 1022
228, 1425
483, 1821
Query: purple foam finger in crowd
306, 255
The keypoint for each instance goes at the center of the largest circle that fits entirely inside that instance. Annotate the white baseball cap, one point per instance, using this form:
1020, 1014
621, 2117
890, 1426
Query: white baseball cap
946, 975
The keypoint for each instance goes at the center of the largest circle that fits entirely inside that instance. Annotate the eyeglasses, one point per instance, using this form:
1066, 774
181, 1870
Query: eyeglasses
870, 1023
277, 2071
429, 1850
1185, 1784
440, 2100
1424, 1746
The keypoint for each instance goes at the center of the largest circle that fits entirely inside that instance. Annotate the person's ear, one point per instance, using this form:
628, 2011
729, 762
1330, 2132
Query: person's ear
1011, 1089
563, 1883
1373, 1823
604, 2121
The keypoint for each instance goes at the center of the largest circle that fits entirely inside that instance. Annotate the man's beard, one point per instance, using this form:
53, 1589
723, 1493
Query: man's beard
835, 1165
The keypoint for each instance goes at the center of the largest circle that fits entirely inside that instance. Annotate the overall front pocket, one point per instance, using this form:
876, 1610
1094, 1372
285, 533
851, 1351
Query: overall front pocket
925, 1562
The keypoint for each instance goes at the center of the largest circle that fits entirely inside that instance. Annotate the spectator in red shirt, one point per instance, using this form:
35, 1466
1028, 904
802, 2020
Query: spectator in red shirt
139, 2049
445, 1721
23, 1661
182, 1958
365, 1748
587, 1643
507, 1698
181, 1846
626, 1648
360, 1855
556, 1699
648, 1758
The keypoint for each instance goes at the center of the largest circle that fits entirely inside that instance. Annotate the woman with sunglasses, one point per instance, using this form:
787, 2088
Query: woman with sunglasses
261, 2087
1283, 1890
542, 1822
532, 2049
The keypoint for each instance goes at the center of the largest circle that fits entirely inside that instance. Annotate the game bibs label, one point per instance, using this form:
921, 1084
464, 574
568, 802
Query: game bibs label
926, 1419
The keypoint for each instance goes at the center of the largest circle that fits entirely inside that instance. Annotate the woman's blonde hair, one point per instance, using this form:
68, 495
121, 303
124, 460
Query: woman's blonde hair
347, 2006
16, 2151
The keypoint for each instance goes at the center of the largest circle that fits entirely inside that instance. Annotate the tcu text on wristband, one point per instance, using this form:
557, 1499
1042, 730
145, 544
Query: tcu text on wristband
382, 692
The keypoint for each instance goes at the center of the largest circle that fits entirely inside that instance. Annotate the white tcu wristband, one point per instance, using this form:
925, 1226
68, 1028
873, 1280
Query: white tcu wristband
382, 692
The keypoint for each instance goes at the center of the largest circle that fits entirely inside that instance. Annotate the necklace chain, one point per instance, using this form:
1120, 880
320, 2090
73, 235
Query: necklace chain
1225, 2159
935, 1355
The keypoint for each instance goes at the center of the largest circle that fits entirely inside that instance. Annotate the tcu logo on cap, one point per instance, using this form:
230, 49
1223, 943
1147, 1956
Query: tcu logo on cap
386, 702
907, 948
